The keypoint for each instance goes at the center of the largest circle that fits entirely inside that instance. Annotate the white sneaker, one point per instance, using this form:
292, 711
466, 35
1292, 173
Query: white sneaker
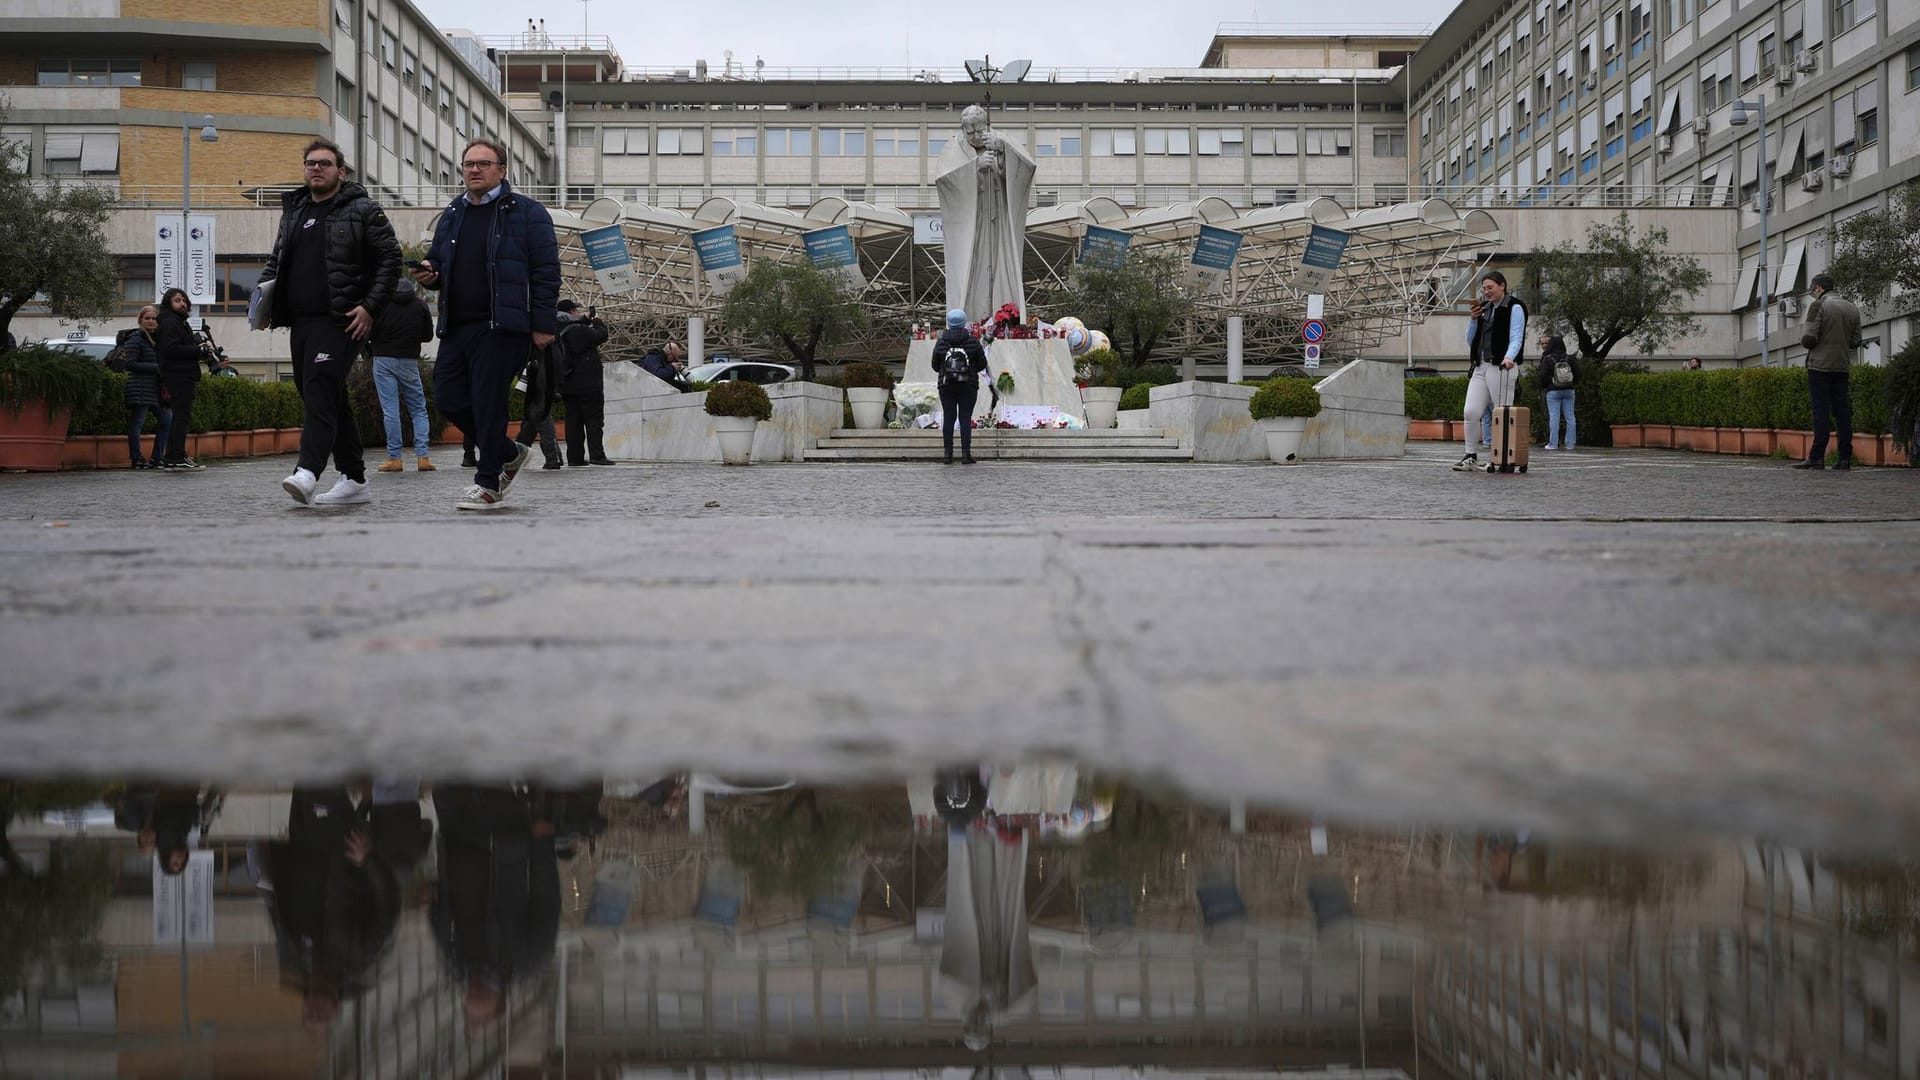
1467, 463
300, 485
481, 498
346, 492
512, 469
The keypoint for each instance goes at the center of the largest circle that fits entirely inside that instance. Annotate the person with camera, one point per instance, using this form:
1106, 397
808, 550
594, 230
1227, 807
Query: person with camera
583, 384
181, 354
1496, 346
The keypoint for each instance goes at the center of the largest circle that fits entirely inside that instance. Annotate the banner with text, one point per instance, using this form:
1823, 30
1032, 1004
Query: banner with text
1325, 248
719, 252
1214, 252
607, 253
184, 258
929, 230
1105, 249
831, 249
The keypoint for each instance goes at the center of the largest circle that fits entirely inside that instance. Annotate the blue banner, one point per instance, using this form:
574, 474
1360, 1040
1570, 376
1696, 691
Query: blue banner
1104, 248
830, 247
1215, 249
1324, 248
719, 249
606, 250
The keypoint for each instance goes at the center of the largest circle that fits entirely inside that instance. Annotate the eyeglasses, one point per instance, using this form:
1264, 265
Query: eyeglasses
478, 164
317, 164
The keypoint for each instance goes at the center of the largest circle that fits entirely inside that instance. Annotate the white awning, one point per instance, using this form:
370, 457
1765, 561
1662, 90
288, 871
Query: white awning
1743, 288
1792, 150
1616, 105
1789, 279
1750, 164
62, 147
100, 152
1670, 112
1589, 131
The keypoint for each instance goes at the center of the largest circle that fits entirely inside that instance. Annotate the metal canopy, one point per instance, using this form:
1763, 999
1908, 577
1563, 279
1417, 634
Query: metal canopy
1401, 263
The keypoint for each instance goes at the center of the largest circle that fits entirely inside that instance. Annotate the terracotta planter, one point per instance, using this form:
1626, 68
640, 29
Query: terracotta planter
1726, 440
1699, 439
1657, 436
1629, 436
1756, 440
1892, 454
287, 440
1795, 443
264, 441
1428, 430
236, 444
78, 452
1868, 450
111, 452
32, 440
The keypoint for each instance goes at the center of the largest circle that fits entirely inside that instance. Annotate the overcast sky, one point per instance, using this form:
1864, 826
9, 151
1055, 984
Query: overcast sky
914, 33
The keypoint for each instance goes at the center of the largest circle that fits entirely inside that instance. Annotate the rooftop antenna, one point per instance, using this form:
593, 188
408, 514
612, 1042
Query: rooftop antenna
759, 67
983, 72
726, 69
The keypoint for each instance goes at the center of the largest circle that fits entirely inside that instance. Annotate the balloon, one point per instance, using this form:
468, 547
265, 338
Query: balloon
1097, 339
1077, 340
1063, 326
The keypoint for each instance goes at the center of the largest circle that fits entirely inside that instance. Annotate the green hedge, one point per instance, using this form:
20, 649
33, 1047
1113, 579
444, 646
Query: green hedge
1744, 397
1437, 398
1137, 396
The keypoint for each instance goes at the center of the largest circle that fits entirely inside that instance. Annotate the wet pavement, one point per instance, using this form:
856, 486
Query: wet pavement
1614, 645
1029, 918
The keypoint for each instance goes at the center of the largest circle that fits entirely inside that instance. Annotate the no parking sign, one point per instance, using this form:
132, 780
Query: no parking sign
1313, 355
1313, 330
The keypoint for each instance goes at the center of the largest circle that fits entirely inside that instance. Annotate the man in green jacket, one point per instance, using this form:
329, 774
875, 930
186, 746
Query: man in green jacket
1831, 335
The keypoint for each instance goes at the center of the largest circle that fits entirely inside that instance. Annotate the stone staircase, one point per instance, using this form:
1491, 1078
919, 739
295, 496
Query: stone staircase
1000, 444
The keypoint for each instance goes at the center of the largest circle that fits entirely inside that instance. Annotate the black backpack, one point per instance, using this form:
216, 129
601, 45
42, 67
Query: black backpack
955, 366
116, 359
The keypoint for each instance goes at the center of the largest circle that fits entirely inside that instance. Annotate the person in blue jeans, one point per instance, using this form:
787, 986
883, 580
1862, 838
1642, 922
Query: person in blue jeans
1553, 349
397, 333
142, 351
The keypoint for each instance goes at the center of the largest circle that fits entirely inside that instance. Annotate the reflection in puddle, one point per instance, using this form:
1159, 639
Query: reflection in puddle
1032, 918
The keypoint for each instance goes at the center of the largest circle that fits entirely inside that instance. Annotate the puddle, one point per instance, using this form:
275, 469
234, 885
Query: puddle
1036, 918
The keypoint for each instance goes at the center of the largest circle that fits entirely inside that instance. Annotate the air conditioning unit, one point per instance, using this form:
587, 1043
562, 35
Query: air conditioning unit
1806, 61
1589, 83
1702, 126
1812, 179
1790, 306
1783, 75
1841, 166
1666, 142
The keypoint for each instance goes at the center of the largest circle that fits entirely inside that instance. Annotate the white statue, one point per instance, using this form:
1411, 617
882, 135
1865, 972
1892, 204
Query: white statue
984, 183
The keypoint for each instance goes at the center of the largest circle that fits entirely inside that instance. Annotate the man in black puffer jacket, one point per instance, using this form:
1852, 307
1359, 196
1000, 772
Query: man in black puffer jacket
334, 266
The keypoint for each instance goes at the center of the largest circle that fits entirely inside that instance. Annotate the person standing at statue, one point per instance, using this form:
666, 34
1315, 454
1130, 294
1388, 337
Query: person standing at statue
958, 360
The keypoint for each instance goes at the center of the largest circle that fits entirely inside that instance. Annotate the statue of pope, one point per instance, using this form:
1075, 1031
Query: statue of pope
984, 183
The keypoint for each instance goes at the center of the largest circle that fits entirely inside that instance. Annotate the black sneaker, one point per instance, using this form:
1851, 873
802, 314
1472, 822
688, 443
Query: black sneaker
1810, 464
1843, 465
600, 461
188, 465
552, 465
467, 461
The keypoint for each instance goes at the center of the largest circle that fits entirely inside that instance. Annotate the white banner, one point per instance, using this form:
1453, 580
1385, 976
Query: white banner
929, 230
183, 905
184, 261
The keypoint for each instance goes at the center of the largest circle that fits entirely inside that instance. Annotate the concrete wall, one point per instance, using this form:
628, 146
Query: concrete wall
1363, 413
1211, 419
647, 420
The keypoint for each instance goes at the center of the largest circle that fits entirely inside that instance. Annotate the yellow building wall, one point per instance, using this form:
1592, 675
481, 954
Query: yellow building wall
289, 14
222, 171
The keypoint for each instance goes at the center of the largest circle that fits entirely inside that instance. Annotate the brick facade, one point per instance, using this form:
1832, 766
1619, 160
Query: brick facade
288, 14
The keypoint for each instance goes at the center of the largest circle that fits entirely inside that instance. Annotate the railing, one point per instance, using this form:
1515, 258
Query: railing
1376, 30
541, 41
922, 197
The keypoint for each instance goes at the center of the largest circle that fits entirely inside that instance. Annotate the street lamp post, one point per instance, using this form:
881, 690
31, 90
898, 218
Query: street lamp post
1741, 110
207, 134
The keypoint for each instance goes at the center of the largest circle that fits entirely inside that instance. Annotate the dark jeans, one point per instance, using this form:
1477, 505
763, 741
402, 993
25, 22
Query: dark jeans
472, 377
137, 419
322, 356
956, 406
181, 391
1829, 392
586, 426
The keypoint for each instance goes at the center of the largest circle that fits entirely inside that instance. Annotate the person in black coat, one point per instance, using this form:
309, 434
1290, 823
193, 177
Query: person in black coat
398, 330
664, 363
335, 900
181, 355
162, 818
583, 385
959, 380
142, 351
496, 914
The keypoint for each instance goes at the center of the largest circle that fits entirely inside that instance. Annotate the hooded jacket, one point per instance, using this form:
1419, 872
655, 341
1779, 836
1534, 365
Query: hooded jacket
582, 373
522, 259
362, 253
961, 337
143, 369
402, 325
180, 352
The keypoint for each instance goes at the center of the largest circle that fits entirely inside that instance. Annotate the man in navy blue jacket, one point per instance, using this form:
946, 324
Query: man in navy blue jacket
496, 262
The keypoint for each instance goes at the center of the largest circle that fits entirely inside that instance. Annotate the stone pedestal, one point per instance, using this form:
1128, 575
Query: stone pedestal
1363, 413
648, 420
1042, 373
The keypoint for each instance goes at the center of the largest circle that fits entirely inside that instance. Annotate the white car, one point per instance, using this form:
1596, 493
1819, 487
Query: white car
91, 346
753, 371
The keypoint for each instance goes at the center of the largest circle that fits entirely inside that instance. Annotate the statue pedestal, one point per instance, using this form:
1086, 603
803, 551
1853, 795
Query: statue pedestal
1042, 373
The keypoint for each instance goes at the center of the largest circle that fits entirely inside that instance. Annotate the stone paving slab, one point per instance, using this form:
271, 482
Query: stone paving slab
1617, 643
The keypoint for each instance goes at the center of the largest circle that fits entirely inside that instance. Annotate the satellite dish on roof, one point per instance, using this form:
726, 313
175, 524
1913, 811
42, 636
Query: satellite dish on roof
1015, 71
977, 70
